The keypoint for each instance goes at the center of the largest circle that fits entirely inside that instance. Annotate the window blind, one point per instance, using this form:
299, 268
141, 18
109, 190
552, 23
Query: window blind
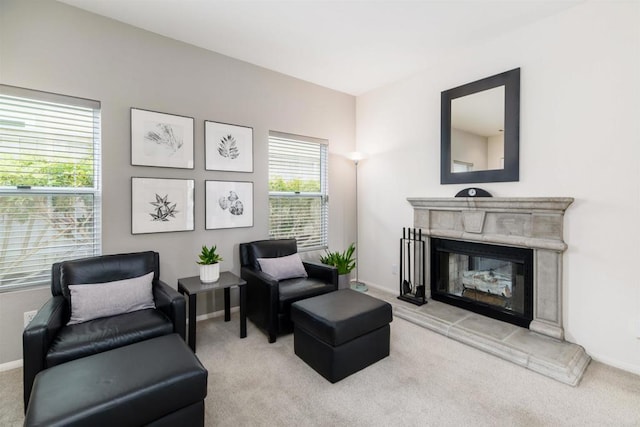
49, 183
298, 200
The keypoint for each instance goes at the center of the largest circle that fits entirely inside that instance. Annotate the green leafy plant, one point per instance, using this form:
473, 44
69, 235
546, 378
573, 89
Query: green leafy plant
209, 256
343, 261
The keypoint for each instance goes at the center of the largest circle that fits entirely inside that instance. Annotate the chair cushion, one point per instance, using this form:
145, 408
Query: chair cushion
341, 316
266, 249
106, 333
105, 268
285, 267
92, 301
292, 290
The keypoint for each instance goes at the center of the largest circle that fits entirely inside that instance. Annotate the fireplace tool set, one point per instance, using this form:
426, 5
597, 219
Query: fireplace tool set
412, 264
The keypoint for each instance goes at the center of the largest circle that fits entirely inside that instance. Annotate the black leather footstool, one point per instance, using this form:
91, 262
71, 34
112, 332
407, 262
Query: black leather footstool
341, 332
157, 382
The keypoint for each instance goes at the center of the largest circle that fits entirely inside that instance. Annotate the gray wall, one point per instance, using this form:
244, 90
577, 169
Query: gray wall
53, 47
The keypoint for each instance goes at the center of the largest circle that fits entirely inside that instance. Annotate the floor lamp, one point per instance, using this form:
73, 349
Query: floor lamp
356, 157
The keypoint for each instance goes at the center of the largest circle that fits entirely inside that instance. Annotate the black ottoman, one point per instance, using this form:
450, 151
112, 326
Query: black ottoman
341, 332
157, 382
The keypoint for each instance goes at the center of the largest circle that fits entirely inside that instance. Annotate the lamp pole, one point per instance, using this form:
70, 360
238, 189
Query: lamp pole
357, 285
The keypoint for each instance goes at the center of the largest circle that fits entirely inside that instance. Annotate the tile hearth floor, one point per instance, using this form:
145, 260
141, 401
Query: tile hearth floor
560, 360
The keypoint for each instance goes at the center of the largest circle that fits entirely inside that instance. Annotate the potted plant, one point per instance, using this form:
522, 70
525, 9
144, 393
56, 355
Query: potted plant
209, 264
344, 262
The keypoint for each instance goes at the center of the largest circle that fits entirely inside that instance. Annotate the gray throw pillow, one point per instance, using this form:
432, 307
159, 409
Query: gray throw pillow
91, 301
286, 267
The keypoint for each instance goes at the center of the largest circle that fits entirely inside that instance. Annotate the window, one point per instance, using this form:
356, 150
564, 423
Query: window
298, 200
49, 183
459, 166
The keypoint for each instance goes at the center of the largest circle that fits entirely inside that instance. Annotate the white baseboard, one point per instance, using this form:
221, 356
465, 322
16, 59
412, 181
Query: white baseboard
377, 287
11, 365
634, 369
214, 314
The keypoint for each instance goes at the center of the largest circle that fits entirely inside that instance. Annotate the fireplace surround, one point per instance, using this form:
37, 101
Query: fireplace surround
534, 224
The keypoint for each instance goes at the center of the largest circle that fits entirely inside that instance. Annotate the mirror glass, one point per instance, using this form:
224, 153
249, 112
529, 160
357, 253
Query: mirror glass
480, 130
477, 131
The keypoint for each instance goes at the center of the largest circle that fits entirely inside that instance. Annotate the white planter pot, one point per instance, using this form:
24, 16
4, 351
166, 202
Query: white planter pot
344, 281
209, 273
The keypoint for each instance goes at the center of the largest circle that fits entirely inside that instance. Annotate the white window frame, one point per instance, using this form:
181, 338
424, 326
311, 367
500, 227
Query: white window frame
460, 166
26, 253
319, 241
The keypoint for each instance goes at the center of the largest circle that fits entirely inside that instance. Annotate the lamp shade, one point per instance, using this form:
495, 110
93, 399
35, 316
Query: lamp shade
356, 156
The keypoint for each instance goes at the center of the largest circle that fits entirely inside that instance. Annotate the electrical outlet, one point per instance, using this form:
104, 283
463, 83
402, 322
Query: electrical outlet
394, 268
28, 316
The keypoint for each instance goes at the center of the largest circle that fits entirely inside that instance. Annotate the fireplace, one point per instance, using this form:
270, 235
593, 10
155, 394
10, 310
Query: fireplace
498, 256
495, 281
531, 223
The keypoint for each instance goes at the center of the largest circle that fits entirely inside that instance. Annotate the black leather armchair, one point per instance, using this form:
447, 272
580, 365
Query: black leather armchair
48, 340
269, 300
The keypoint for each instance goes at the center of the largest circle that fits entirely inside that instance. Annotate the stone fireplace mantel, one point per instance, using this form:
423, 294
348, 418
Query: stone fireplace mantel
527, 222
535, 223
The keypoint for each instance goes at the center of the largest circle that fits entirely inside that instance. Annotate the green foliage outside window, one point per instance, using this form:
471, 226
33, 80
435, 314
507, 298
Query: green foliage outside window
43, 173
289, 216
42, 219
49, 195
294, 185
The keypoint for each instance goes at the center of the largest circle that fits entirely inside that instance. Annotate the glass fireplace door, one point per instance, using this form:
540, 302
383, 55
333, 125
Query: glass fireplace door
492, 280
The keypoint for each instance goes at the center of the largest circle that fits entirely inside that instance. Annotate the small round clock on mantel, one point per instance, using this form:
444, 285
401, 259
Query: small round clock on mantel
473, 192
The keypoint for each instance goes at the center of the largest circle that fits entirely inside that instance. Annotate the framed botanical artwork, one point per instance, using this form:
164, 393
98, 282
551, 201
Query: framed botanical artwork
228, 204
161, 205
228, 147
159, 139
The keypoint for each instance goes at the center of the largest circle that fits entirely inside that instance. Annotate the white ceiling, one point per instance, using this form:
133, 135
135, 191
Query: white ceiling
350, 46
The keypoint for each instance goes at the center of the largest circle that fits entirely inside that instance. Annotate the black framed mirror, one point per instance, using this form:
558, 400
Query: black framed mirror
480, 131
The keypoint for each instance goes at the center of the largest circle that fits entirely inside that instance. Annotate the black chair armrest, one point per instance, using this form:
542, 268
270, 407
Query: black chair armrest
172, 304
324, 272
37, 338
258, 278
262, 299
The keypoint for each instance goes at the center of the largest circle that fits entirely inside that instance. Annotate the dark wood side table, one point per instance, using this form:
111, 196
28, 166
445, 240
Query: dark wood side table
192, 286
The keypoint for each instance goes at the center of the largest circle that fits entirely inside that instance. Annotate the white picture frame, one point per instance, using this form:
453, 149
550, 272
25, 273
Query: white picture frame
228, 204
228, 147
161, 140
160, 205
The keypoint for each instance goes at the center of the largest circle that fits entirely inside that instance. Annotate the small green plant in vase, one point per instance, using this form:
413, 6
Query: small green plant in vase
209, 262
343, 261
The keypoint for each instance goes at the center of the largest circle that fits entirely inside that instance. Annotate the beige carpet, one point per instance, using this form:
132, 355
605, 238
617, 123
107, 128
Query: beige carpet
428, 380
